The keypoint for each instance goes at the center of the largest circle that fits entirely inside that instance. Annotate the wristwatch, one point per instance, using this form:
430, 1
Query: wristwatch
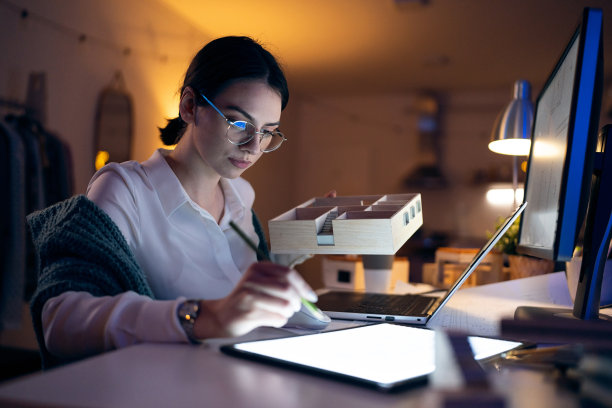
187, 314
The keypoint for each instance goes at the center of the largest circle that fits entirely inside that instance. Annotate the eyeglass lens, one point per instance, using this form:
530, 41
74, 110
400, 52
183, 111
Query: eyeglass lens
241, 132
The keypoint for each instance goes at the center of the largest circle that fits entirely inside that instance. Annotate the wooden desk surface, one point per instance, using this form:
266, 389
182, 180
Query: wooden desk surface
169, 375
153, 375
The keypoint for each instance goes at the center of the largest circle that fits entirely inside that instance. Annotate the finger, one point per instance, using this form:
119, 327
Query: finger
267, 268
263, 318
278, 280
261, 271
300, 285
277, 275
258, 318
274, 305
300, 259
256, 302
270, 275
288, 294
331, 194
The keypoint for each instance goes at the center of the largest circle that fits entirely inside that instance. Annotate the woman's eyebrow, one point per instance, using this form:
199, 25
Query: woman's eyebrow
249, 117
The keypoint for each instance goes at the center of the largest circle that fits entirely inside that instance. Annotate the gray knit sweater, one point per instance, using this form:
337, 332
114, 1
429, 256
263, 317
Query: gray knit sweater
79, 248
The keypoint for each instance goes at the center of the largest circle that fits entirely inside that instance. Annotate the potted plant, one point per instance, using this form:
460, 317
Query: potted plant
521, 266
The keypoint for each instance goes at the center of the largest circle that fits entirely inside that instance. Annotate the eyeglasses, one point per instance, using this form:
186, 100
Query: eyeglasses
241, 132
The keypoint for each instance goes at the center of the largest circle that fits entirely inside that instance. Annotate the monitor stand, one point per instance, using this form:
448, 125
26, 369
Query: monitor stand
557, 326
544, 313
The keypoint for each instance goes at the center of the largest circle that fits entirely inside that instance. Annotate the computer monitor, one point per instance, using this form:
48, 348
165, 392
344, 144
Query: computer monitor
565, 189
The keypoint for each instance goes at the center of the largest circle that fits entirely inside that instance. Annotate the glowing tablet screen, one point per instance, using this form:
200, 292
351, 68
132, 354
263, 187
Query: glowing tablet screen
383, 354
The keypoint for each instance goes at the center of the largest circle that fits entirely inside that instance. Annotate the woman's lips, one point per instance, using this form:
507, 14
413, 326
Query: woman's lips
241, 164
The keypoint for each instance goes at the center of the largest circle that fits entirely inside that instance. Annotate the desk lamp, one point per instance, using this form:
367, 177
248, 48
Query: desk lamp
512, 131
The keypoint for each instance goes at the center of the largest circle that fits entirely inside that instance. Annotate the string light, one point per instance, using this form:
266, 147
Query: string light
82, 38
164, 58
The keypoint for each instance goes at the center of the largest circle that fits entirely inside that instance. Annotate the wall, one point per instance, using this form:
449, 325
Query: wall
360, 144
77, 71
161, 43
369, 144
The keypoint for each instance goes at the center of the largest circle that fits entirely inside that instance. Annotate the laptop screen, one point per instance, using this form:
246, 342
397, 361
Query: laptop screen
403, 309
480, 255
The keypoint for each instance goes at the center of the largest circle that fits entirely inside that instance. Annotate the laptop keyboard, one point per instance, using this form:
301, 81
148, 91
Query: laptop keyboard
375, 303
398, 305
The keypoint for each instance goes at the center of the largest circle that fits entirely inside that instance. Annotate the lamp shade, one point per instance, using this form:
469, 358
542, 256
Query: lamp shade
512, 131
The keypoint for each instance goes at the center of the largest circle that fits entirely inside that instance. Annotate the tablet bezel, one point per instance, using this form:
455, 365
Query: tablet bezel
404, 384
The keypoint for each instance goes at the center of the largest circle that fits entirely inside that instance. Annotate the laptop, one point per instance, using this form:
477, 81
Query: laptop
411, 309
384, 356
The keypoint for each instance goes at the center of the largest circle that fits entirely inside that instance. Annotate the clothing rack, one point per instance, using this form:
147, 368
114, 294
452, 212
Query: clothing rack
35, 106
13, 104
36, 169
9, 106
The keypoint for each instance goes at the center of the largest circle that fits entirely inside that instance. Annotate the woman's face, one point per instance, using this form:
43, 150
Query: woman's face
249, 100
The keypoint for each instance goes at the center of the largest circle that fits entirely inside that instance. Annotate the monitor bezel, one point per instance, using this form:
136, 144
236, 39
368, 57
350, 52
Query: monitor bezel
580, 147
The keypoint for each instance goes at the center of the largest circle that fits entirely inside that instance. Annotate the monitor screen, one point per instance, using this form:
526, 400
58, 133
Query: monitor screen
568, 182
562, 149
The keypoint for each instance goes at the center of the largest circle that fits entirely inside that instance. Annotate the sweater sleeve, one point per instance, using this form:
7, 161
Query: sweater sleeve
79, 249
78, 324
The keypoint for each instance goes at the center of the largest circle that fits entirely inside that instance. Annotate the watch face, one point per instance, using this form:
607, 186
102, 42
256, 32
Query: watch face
187, 314
188, 311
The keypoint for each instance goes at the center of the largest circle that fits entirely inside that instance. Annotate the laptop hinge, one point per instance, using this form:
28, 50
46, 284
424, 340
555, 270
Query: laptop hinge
434, 305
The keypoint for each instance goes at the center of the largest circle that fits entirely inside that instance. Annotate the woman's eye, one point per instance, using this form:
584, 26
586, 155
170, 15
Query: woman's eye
240, 124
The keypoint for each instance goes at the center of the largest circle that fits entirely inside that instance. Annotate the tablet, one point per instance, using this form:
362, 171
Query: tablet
385, 356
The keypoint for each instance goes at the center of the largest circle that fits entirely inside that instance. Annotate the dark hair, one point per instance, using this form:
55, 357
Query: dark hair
220, 63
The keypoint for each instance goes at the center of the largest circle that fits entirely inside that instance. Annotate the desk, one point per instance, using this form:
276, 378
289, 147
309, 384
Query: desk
479, 309
171, 375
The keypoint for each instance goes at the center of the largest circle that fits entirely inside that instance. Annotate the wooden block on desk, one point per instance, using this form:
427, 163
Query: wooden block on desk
346, 272
369, 224
452, 262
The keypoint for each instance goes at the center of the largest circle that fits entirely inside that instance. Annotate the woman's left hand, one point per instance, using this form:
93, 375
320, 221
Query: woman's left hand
331, 194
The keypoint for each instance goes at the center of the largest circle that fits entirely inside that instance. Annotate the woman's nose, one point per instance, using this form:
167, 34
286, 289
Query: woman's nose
254, 145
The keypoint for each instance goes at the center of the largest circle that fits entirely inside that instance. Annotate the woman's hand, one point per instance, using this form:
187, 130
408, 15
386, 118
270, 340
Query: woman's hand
267, 295
331, 194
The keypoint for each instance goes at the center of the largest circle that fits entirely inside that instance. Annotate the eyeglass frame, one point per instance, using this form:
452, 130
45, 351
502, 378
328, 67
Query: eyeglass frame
257, 132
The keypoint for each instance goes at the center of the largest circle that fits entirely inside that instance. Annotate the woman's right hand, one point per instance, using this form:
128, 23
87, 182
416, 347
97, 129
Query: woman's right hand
267, 295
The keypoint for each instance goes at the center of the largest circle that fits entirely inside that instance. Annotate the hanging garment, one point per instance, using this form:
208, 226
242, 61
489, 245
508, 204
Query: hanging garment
12, 227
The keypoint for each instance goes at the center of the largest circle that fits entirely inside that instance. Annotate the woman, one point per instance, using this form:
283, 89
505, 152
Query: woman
174, 211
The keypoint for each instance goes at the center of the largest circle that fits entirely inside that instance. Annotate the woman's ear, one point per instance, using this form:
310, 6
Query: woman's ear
187, 105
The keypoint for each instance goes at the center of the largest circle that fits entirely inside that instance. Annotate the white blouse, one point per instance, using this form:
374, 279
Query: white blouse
181, 249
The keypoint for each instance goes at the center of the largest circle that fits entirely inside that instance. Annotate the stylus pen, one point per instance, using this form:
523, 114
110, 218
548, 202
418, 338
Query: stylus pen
261, 255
